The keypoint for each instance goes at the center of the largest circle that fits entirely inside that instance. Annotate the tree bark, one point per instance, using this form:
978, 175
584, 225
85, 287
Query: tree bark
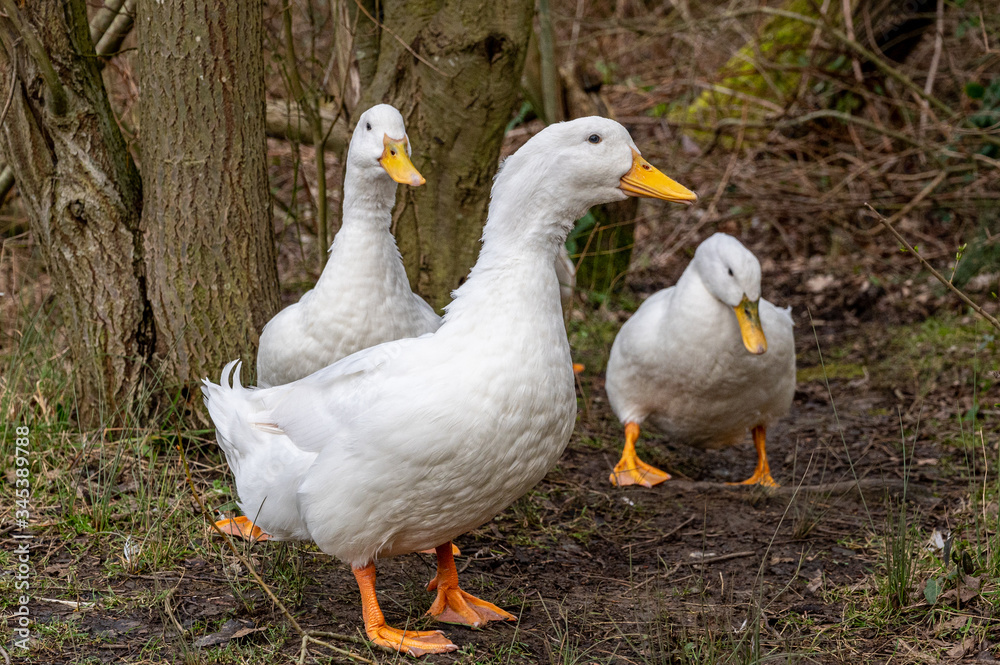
456, 109
213, 275
83, 195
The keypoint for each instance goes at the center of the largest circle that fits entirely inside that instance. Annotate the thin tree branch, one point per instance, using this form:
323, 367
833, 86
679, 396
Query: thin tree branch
855, 46
547, 51
295, 83
10, 98
103, 18
935, 59
398, 39
941, 278
57, 93
113, 37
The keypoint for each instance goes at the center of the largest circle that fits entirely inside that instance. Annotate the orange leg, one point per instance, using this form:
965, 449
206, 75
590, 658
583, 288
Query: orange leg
453, 605
762, 473
631, 470
578, 367
412, 642
454, 551
242, 527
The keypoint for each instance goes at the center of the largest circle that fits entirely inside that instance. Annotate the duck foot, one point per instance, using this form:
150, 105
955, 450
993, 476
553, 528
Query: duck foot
242, 527
631, 470
452, 604
412, 642
762, 472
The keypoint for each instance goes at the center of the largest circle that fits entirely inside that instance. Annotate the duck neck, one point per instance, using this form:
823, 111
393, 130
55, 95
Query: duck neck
368, 200
514, 278
364, 245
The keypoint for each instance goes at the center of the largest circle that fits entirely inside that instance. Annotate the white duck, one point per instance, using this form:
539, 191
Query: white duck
363, 297
704, 360
406, 445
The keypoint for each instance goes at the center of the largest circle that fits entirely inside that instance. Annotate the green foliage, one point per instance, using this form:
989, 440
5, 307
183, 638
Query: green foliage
988, 114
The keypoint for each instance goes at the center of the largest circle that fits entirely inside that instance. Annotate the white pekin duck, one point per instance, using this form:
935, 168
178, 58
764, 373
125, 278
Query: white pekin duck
704, 361
408, 444
363, 297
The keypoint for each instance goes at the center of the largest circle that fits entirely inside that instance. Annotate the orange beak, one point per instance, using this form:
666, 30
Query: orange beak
644, 179
748, 314
397, 164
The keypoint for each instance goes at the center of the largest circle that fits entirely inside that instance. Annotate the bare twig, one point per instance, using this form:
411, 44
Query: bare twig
716, 559
855, 46
306, 636
711, 214
849, 26
10, 98
932, 70
397, 38
116, 33
103, 18
941, 278
57, 93
295, 83
921, 195
547, 51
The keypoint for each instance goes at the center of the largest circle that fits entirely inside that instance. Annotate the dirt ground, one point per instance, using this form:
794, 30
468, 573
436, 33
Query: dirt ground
690, 571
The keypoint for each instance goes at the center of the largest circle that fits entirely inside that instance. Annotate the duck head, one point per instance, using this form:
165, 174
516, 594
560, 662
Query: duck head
731, 273
379, 143
571, 166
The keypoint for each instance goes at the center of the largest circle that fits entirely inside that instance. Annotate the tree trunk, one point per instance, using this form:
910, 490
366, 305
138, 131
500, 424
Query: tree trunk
207, 216
83, 196
456, 109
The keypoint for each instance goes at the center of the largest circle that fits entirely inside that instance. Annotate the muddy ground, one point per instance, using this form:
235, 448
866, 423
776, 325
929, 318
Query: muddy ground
690, 571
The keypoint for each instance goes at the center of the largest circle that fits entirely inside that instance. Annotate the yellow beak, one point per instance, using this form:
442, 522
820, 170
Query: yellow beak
644, 179
397, 164
753, 334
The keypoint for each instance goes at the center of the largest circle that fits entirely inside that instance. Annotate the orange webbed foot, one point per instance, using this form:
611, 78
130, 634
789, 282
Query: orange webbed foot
762, 472
452, 604
242, 527
412, 642
631, 470
637, 472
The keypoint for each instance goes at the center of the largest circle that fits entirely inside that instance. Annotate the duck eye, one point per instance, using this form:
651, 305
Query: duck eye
730, 272
594, 138
368, 126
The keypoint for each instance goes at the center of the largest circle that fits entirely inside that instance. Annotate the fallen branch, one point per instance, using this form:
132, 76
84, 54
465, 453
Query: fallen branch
716, 559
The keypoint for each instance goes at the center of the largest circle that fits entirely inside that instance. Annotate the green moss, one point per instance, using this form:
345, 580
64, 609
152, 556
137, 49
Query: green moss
764, 72
832, 370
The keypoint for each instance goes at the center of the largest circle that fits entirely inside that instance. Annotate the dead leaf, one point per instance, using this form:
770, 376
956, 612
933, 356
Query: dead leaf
816, 581
820, 283
231, 630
